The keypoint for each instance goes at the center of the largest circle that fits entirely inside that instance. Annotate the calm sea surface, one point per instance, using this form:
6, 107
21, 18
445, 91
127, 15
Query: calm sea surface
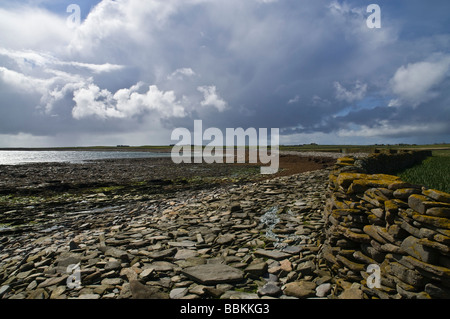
22, 157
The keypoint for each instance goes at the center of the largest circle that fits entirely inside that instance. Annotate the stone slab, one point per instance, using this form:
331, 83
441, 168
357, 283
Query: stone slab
273, 254
210, 274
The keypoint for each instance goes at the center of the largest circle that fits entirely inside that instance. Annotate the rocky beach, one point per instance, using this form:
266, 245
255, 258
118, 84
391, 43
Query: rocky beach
147, 228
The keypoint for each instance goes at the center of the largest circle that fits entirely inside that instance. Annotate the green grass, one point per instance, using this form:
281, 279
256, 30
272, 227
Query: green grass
106, 189
434, 172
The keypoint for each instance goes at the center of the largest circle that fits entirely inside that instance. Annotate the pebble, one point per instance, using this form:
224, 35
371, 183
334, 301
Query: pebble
351, 293
270, 289
323, 289
4, 289
178, 293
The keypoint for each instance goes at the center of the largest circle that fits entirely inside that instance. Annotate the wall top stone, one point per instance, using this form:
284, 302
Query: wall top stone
373, 217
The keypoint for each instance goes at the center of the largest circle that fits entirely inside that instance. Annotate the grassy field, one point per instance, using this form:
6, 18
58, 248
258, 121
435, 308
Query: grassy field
361, 148
434, 172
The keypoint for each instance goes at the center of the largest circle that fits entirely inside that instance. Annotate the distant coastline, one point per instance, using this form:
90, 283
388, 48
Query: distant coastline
153, 149
299, 148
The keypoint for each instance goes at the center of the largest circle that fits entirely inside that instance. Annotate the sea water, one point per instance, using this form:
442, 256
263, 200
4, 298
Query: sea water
23, 157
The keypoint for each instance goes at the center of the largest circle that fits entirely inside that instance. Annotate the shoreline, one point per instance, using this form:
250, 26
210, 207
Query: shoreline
149, 229
29, 190
125, 171
156, 149
159, 247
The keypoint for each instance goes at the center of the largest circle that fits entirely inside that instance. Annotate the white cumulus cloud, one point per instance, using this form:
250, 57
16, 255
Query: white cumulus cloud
92, 101
180, 73
211, 98
414, 82
33, 27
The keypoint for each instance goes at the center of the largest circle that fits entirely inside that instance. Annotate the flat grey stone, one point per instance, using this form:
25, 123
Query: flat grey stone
66, 259
257, 269
270, 289
52, 281
146, 273
291, 250
113, 265
178, 293
112, 281
413, 247
300, 289
273, 254
225, 239
306, 268
231, 294
184, 243
160, 266
162, 253
185, 254
116, 253
89, 296
210, 274
351, 293
323, 289
4, 289
141, 291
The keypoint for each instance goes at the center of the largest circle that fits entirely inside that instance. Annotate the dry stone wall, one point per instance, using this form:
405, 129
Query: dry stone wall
402, 230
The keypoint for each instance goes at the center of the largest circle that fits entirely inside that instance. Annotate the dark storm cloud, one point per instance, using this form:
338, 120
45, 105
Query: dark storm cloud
140, 69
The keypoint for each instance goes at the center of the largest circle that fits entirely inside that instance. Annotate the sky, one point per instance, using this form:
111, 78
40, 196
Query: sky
131, 71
